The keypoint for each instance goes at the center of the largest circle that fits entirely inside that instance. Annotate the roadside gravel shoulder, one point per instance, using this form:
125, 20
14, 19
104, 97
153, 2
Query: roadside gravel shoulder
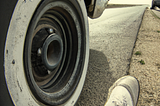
148, 74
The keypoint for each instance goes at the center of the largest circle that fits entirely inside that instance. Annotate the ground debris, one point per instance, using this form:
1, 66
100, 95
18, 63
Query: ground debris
148, 42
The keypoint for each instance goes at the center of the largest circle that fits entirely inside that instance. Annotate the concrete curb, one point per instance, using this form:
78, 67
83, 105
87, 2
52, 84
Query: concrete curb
156, 13
136, 36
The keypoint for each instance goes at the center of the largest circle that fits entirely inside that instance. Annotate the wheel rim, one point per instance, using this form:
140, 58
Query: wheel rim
48, 52
54, 74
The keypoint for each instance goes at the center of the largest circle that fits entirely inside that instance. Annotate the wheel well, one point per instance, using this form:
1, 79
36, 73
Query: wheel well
87, 3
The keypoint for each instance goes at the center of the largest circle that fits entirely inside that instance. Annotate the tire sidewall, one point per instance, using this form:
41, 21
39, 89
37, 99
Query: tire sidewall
14, 69
153, 4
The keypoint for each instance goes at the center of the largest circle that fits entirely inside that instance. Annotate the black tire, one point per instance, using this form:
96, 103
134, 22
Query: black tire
153, 4
44, 54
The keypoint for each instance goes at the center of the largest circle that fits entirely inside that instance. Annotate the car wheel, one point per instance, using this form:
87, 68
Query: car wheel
45, 53
153, 4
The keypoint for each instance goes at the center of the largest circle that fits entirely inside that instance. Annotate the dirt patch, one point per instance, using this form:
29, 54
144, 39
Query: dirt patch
148, 74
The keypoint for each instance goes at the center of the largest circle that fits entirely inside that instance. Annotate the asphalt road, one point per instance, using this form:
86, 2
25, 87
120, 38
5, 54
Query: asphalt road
112, 38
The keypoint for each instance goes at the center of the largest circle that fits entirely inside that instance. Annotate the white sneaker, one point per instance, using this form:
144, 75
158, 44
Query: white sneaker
124, 92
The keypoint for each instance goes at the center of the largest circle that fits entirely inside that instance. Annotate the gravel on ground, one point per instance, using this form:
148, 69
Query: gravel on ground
145, 64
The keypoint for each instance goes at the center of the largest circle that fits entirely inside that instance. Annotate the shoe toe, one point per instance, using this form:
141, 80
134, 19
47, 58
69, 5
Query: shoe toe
131, 84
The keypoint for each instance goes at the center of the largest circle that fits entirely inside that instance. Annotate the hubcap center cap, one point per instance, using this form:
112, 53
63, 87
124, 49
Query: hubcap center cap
52, 51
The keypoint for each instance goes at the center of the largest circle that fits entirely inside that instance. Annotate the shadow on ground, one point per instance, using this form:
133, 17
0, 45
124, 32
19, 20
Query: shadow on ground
97, 82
